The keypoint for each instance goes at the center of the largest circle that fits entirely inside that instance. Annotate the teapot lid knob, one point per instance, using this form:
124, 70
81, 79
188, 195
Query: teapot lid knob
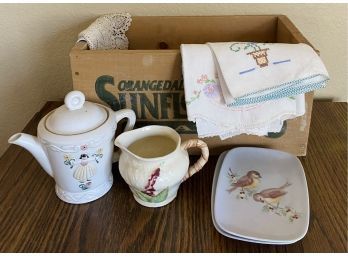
74, 100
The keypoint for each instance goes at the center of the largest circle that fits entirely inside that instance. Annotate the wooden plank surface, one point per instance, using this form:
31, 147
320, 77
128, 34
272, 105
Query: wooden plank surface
33, 219
147, 32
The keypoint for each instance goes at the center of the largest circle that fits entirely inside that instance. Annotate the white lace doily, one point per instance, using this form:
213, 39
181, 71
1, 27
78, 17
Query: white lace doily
107, 32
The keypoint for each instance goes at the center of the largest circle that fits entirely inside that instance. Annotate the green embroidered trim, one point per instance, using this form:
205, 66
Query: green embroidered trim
292, 88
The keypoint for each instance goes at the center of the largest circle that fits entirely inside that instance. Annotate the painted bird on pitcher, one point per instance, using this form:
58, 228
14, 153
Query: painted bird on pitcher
248, 181
271, 196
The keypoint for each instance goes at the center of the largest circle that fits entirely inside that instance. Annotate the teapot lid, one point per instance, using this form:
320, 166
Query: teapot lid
76, 116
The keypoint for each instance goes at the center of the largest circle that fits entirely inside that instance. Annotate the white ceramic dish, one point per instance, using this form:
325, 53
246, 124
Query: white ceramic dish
216, 175
241, 215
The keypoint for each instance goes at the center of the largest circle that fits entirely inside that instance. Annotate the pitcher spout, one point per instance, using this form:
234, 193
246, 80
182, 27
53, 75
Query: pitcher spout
33, 145
123, 140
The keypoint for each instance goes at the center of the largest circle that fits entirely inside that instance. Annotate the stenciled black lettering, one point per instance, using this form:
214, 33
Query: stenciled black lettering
152, 107
122, 85
106, 96
145, 85
177, 106
175, 85
134, 102
137, 86
167, 85
152, 85
129, 86
165, 105
159, 85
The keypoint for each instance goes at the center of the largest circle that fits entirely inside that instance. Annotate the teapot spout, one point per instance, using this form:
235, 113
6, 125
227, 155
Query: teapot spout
33, 145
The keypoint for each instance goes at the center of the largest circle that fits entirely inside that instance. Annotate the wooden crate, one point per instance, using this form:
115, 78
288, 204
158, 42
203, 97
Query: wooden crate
149, 79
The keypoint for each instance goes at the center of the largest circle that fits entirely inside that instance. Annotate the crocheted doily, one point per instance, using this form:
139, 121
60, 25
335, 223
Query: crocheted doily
107, 32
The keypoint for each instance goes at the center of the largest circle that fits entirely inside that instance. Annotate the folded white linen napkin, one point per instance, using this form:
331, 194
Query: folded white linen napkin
255, 72
107, 32
206, 106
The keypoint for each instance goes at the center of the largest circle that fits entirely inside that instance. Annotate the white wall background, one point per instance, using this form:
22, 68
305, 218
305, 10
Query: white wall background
36, 39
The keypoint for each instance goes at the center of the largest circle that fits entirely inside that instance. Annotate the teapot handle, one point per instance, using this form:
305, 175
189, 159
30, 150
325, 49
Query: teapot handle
120, 114
126, 113
201, 161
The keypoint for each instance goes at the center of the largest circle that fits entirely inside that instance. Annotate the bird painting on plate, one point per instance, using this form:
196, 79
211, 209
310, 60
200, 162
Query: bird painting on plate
249, 181
271, 196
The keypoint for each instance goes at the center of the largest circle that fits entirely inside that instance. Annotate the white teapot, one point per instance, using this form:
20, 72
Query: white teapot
74, 145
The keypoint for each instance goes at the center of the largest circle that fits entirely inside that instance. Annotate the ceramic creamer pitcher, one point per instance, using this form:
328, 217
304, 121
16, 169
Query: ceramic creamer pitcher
154, 181
74, 145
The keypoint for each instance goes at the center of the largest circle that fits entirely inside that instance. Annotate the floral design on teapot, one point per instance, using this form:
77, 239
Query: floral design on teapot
149, 194
85, 169
69, 160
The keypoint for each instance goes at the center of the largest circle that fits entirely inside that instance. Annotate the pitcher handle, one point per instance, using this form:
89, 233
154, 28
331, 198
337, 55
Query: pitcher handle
120, 114
198, 165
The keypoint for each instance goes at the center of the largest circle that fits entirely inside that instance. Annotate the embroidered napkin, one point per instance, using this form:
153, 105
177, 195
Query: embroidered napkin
206, 106
107, 32
256, 72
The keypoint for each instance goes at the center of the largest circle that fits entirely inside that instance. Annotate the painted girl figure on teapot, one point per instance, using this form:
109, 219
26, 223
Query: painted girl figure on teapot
85, 168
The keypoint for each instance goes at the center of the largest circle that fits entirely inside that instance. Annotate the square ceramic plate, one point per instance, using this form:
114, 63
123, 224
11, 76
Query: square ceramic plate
261, 196
216, 175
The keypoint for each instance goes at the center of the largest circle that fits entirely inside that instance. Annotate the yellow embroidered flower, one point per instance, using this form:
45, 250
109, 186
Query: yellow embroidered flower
66, 157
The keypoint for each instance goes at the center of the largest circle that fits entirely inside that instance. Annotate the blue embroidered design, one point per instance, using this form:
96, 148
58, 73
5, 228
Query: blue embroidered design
291, 88
288, 60
246, 71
